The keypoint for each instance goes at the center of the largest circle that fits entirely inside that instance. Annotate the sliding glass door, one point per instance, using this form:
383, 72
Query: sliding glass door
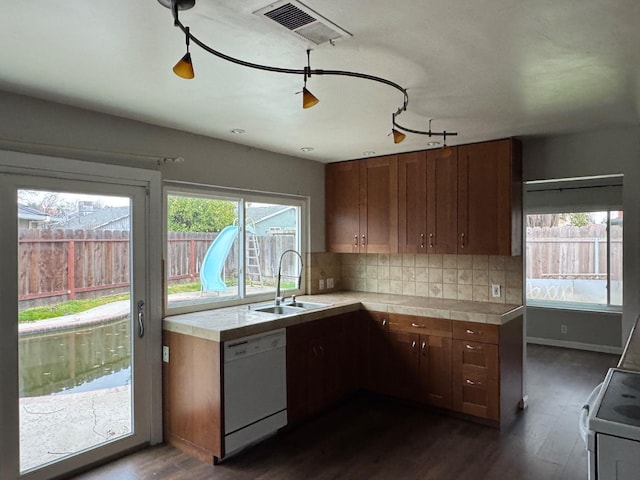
73, 313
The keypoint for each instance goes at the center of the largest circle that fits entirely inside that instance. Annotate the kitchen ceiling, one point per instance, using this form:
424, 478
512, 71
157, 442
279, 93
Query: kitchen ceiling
487, 70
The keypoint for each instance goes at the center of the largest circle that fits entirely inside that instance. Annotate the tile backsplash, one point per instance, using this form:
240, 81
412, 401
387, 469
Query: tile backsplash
457, 277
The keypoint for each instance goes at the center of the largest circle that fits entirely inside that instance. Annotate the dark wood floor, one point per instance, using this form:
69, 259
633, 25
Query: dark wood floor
373, 438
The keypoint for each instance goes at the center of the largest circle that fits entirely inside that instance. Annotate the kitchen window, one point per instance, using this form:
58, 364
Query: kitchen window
223, 247
574, 259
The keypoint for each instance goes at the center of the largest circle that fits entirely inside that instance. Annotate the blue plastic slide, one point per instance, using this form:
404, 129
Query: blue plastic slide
213, 261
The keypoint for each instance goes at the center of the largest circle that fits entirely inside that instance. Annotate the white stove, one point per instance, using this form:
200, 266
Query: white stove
614, 428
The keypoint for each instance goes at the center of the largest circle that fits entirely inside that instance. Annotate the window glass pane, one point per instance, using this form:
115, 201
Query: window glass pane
271, 229
203, 249
615, 258
567, 258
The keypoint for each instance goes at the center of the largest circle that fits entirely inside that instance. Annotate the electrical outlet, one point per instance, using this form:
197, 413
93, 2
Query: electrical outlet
165, 354
329, 282
495, 290
563, 329
321, 284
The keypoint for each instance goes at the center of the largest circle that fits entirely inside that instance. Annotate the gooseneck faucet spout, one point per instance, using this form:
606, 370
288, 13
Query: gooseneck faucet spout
280, 298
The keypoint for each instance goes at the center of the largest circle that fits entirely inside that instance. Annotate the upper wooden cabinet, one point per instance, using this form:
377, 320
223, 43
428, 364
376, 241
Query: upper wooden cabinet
469, 202
427, 202
362, 205
490, 198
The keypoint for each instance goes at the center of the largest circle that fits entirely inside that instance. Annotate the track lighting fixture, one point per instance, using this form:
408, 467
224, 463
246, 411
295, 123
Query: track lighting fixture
184, 69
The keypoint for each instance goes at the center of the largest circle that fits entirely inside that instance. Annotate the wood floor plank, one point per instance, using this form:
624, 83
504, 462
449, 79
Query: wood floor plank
371, 437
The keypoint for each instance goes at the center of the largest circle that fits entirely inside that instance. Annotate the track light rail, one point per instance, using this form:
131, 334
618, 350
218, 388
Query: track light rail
307, 72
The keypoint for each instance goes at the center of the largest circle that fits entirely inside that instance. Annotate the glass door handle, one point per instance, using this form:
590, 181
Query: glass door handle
140, 318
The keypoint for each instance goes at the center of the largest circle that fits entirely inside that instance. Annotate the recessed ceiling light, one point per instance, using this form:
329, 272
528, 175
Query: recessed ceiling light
433, 144
237, 131
368, 153
307, 149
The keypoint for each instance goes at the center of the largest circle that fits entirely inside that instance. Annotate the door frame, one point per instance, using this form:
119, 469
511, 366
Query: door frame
60, 168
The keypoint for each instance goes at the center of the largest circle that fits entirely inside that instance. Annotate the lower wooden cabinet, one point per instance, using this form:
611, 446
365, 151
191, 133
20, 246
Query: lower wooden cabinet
487, 370
320, 369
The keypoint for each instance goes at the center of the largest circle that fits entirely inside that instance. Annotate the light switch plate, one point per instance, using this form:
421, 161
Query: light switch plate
321, 284
165, 354
330, 283
495, 290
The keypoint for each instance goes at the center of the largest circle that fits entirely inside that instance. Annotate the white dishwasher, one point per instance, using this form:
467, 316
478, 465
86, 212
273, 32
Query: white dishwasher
255, 388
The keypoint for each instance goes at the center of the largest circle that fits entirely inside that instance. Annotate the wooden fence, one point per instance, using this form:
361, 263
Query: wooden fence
62, 264
573, 252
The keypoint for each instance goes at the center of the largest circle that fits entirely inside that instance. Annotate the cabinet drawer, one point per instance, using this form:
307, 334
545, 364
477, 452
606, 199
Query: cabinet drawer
476, 332
436, 327
484, 355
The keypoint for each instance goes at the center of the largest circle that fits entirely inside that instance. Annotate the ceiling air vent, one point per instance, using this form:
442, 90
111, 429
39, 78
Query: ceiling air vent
298, 18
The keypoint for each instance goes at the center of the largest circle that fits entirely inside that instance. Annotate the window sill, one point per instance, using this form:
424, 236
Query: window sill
579, 307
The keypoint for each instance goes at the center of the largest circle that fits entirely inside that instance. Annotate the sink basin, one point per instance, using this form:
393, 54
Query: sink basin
306, 305
279, 309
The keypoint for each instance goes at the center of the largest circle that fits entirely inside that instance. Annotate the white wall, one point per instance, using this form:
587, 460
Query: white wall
207, 160
598, 153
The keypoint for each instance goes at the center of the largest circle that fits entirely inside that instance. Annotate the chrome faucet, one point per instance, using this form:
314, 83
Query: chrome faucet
279, 298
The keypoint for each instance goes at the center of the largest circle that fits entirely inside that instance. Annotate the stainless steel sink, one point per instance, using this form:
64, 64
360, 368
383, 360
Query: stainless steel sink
306, 305
288, 308
279, 309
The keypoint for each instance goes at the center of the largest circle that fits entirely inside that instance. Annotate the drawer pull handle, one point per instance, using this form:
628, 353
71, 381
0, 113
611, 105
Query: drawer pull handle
431, 240
384, 322
472, 383
424, 344
462, 240
413, 344
363, 241
355, 240
471, 347
416, 325
471, 332
422, 240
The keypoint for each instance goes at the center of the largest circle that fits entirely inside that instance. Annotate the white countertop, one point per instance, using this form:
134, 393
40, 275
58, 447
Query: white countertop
234, 322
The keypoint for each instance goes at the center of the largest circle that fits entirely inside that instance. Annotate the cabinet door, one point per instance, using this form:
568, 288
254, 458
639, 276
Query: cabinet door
378, 352
342, 206
298, 384
475, 387
485, 194
405, 361
379, 205
442, 201
435, 371
412, 202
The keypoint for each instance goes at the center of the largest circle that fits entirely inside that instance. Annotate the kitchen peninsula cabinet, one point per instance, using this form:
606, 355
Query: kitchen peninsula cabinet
490, 198
487, 369
362, 206
427, 201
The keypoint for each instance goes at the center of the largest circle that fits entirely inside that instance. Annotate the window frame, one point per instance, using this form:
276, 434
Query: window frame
576, 306
243, 197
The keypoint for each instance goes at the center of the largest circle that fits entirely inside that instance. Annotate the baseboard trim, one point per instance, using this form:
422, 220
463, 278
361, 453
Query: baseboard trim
576, 345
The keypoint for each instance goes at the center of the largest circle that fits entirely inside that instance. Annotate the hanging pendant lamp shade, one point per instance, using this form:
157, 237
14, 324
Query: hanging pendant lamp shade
308, 98
184, 68
398, 136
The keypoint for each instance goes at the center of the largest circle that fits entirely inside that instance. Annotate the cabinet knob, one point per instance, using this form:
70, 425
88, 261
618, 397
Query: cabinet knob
413, 344
384, 322
424, 344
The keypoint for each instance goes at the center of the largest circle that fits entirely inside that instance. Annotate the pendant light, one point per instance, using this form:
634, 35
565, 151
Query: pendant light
308, 98
184, 67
